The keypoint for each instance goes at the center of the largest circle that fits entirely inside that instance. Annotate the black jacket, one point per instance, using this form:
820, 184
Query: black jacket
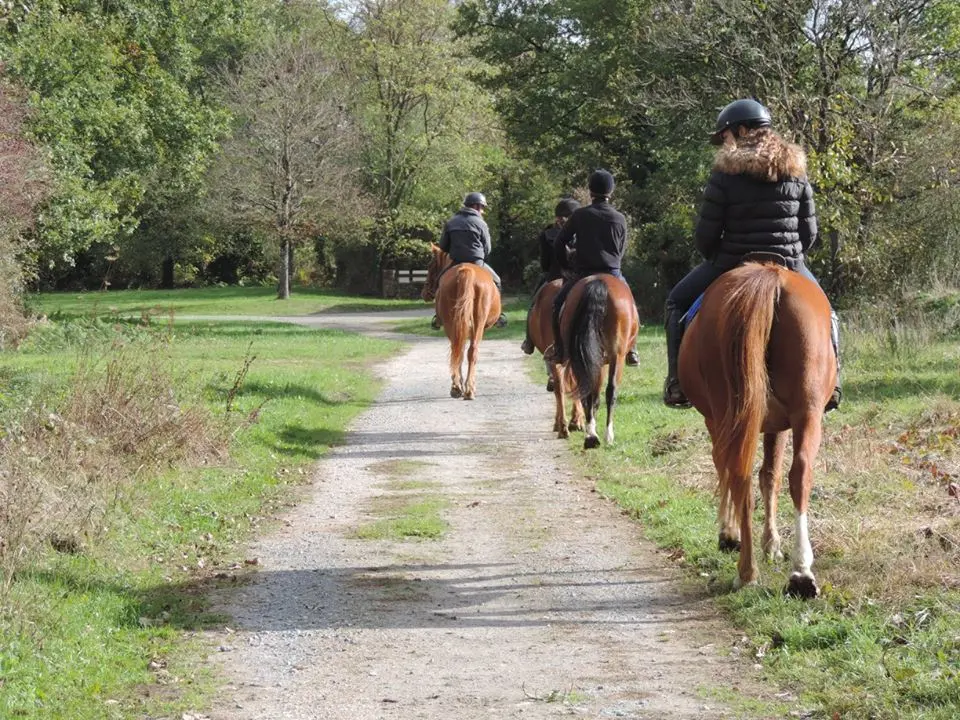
601, 238
757, 199
466, 236
549, 263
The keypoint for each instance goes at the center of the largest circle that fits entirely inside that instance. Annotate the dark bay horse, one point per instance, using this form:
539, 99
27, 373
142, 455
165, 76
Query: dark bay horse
598, 324
757, 359
541, 332
467, 303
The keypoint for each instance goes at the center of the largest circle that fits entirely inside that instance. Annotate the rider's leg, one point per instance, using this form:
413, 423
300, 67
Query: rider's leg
527, 345
834, 402
435, 322
556, 351
682, 296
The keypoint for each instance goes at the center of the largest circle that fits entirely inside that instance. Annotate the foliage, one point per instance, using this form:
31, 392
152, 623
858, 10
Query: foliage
290, 163
117, 91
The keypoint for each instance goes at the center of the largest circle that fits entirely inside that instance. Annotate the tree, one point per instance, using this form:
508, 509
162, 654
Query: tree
291, 161
428, 130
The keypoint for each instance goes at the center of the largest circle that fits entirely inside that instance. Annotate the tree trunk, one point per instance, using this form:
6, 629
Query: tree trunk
166, 273
291, 268
283, 287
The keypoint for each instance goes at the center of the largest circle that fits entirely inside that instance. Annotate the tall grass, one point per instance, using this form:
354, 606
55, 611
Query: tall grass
882, 641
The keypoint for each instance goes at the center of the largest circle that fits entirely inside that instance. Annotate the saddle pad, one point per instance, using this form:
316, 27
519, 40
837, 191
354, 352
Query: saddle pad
690, 314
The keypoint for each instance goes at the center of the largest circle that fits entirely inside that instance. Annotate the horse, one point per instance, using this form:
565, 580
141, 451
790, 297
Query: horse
467, 303
541, 332
757, 358
598, 326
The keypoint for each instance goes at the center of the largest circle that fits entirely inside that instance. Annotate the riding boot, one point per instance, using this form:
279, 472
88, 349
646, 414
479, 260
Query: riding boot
834, 402
632, 358
672, 394
555, 352
435, 322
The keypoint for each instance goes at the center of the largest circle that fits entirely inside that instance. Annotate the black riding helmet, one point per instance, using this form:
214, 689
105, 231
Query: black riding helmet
601, 183
475, 198
740, 112
566, 207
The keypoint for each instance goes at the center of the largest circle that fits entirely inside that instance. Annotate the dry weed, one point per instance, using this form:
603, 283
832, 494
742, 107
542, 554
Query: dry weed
63, 467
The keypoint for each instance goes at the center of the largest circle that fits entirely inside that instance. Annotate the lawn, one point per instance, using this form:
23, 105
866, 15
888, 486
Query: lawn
883, 640
234, 300
102, 630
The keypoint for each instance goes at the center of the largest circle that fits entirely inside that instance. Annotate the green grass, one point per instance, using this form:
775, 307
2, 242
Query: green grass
883, 641
101, 634
409, 519
232, 300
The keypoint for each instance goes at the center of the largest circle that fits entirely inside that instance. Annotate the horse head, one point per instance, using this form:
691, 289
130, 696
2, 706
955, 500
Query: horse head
439, 261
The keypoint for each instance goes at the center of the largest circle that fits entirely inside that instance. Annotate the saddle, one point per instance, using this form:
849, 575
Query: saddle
758, 257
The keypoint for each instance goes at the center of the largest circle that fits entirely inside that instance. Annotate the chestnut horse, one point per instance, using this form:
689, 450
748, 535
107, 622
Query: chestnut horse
467, 303
541, 332
598, 325
757, 359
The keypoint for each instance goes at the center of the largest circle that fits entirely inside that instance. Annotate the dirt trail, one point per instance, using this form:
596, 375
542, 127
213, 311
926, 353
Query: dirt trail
540, 600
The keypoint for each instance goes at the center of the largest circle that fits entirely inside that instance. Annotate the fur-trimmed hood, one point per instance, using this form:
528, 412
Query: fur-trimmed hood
762, 153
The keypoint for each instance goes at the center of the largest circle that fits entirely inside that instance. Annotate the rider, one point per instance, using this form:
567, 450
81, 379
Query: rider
466, 238
599, 234
550, 269
758, 199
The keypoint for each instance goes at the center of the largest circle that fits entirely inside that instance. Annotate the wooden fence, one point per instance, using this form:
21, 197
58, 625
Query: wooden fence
403, 283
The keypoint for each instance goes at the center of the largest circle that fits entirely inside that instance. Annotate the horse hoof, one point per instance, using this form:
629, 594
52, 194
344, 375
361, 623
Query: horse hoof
577, 426
590, 442
456, 392
728, 544
562, 433
802, 586
739, 584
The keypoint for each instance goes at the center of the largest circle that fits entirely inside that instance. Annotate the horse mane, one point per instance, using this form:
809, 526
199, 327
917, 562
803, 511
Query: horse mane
439, 261
744, 331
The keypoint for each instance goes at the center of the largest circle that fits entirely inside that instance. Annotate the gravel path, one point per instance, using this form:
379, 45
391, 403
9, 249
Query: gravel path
540, 601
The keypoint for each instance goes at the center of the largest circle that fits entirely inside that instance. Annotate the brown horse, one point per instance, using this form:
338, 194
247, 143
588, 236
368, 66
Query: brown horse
757, 359
467, 303
541, 332
598, 325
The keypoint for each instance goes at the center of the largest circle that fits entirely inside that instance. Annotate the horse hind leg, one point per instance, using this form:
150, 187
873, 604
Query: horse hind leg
806, 443
456, 372
613, 379
591, 406
729, 536
771, 473
473, 353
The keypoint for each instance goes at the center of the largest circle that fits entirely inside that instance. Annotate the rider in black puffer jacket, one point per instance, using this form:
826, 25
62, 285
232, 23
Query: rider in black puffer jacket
758, 199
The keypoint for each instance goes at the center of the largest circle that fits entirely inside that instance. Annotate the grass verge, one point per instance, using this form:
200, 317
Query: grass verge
883, 641
233, 300
104, 631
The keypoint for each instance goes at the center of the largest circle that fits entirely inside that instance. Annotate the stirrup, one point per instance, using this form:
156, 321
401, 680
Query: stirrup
631, 358
527, 346
435, 323
673, 396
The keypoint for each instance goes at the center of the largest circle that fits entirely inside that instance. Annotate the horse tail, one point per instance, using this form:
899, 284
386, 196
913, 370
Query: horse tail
586, 338
743, 335
462, 315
